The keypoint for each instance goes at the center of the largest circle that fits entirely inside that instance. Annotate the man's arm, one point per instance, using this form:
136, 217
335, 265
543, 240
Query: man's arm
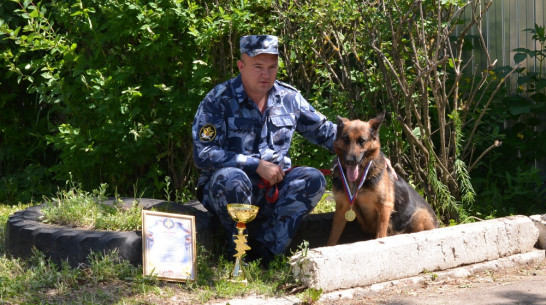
209, 133
314, 126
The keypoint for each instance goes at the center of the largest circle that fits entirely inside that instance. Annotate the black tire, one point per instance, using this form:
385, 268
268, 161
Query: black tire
25, 231
315, 229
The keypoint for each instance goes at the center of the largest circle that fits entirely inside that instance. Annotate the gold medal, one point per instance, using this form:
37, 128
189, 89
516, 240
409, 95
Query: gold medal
350, 215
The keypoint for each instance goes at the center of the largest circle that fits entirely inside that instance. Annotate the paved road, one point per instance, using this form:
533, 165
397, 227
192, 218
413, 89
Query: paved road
529, 290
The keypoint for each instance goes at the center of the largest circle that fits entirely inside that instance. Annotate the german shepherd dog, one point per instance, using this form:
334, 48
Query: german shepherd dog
383, 205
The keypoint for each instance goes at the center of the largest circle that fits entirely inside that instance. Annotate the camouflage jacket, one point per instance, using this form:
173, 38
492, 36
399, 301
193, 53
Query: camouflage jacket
230, 131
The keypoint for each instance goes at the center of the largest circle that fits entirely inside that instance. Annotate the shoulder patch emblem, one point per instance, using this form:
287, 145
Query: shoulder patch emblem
207, 133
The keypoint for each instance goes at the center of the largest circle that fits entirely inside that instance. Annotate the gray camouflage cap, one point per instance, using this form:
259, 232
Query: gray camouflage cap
253, 45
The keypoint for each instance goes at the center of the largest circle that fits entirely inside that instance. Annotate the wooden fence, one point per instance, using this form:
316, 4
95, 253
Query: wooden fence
503, 29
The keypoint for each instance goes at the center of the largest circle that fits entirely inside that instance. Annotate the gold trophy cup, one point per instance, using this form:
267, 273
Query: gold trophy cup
242, 214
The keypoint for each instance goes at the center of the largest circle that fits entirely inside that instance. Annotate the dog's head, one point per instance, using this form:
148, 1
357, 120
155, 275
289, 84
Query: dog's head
357, 142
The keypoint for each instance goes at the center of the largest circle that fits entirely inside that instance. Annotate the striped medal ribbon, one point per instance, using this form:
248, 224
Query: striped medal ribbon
350, 214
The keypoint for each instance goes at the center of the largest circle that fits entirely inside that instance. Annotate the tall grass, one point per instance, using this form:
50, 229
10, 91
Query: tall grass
75, 207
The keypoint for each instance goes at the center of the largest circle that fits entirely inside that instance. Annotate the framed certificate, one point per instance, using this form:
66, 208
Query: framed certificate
168, 246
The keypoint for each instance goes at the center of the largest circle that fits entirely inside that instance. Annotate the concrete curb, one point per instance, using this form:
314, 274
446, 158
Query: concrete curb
529, 258
374, 261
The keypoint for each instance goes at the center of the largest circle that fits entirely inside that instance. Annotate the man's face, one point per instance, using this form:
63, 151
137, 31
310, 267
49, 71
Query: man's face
258, 73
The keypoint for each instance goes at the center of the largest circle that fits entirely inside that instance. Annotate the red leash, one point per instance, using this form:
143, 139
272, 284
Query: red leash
325, 171
272, 198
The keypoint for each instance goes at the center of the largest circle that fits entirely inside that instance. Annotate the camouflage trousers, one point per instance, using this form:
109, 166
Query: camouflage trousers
272, 231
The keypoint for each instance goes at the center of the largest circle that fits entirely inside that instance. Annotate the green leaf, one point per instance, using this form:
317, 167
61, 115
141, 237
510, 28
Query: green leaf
523, 79
416, 132
541, 83
519, 108
519, 57
34, 14
15, 32
521, 50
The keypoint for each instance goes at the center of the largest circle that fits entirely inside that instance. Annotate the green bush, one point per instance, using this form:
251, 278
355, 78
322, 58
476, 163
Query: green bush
113, 88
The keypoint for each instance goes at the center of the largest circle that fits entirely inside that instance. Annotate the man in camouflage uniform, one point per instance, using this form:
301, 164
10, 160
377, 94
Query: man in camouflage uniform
242, 133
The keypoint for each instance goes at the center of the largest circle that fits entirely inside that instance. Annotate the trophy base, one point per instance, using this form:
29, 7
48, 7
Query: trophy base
238, 274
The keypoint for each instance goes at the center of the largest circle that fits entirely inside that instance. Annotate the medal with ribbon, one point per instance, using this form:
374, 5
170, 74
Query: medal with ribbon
350, 214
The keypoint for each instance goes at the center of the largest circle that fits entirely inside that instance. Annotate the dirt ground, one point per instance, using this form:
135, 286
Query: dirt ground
524, 284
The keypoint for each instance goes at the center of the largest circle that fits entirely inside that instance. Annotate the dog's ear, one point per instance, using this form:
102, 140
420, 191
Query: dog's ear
375, 123
340, 122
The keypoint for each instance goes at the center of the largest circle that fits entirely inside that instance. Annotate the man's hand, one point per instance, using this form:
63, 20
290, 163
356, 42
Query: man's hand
270, 172
389, 166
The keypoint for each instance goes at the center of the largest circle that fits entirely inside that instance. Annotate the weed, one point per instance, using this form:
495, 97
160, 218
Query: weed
311, 296
108, 267
77, 208
5, 211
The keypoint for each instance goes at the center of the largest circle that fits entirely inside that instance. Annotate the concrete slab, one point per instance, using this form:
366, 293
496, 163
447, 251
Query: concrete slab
540, 223
369, 262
